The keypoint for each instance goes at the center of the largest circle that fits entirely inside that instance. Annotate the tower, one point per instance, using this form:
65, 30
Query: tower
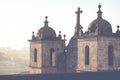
72, 48
47, 51
98, 47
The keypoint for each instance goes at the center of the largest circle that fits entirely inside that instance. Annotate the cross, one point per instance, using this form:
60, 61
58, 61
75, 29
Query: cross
78, 26
78, 15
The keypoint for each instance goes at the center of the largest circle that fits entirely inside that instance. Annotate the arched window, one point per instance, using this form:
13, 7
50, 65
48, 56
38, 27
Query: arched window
110, 55
87, 55
35, 55
52, 57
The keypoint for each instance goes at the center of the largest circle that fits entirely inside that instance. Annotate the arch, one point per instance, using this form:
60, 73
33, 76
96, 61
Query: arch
110, 55
52, 57
35, 55
87, 55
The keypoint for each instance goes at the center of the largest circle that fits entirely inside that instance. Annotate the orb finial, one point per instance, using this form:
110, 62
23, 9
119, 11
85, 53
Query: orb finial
46, 22
64, 36
59, 32
118, 27
99, 6
33, 32
60, 36
46, 18
33, 36
99, 11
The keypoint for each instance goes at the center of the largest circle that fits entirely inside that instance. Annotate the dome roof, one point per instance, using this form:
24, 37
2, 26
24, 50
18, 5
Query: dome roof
100, 26
46, 32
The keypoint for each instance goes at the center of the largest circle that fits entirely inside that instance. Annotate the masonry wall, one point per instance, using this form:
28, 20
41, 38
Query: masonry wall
72, 48
98, 53
38, 46
92, 44
58, 46
43, 56
103, 43
35, 67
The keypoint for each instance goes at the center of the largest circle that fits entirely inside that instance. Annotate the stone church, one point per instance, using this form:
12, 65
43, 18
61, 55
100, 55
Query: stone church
97, 49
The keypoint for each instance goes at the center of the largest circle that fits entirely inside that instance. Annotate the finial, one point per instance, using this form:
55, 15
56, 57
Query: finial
33, 36
118, 27
99, 11
118, 31
33, 32
59, 36
59, 32
46, 18
64, 37
99, 6
46, 22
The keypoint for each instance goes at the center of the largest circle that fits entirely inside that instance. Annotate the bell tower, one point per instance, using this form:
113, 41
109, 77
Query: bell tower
47, 51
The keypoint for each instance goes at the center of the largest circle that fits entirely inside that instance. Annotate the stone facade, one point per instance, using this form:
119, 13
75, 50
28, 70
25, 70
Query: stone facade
98, 53
97, 49
47, 52
71, 64
103, 45
92, 44
43, 56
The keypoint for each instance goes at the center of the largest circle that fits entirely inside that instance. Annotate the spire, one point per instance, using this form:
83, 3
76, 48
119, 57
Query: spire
78, 26
46, 22
99, 11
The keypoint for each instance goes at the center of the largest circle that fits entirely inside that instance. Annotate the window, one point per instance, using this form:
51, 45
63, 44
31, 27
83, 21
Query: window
52, 57
87, 55
110, 55
35, 55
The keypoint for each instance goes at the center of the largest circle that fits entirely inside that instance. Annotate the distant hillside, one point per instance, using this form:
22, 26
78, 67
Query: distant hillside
4, 57
13, 61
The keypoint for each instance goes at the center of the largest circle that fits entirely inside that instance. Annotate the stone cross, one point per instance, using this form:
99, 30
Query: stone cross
78, 27
78, 15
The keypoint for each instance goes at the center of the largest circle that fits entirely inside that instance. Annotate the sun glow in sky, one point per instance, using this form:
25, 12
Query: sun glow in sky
18, 18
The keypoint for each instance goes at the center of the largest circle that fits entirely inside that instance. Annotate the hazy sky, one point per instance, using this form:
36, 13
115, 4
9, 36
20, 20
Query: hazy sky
18, 18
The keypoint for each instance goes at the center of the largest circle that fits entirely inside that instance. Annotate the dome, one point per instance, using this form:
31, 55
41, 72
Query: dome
100, 26
46, 32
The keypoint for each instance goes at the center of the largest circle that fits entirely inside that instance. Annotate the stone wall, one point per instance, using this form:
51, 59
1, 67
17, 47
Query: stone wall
98, 53
58, 46
103, 43
43, 56
92, 44
72, 55
38, 46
